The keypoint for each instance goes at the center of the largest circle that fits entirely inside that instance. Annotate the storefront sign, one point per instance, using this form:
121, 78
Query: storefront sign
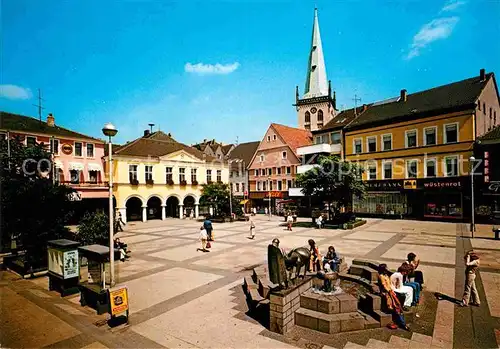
438, 184
266, 194
384, 185
410, 184
493, 188
67, 149
70, 264
75, 196
118, 299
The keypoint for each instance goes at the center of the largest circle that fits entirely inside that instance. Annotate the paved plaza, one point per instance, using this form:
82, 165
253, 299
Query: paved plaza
184, 298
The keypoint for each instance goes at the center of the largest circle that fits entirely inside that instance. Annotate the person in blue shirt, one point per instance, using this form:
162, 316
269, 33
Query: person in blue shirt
207, 224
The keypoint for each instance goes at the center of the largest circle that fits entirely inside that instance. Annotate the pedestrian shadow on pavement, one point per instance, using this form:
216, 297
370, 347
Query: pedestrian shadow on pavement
443, 297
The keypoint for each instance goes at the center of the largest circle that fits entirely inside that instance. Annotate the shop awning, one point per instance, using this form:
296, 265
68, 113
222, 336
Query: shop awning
94, 167
243, 202
76, 166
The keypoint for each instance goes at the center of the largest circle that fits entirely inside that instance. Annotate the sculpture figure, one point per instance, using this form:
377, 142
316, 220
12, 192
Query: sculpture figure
298, 258
276, 264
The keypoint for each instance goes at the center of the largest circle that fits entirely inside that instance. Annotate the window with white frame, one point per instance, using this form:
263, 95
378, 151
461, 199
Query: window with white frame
411, 169
371, 144
318, 140
283, 155
74, 176
288, 170
335, 137
289, 183
372, 171
148, 172
262, 171
90, 150
194, 178
256, 173
169, 175
182, 174
54, 146
430, 135
258, 186
262, 158
411, 139
209, 176
132, 172
451, 166
93, 176
264, 185
387, 169
358, 146
430, 168
274, 137
387, 142
451, 133
219, 176
243, 187
269, 138
269, 171
279, 185
30, 141
278, 170
237, 187
78, 149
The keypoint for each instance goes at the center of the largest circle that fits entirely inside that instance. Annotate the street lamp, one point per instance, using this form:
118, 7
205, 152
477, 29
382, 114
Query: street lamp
110, 130
269, 186
472, 225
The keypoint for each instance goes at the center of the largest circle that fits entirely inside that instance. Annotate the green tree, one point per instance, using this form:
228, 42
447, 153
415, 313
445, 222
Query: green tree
216, 195
94, 229
33, 209
333, 181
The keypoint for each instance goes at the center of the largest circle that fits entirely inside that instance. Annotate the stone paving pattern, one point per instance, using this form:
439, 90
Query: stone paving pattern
183, 298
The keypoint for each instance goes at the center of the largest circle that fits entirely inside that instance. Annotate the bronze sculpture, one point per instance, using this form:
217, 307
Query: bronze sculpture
298, 258
276, 264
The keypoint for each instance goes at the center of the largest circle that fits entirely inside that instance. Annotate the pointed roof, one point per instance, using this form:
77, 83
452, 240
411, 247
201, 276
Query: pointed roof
316, 82
293, 137
244, 151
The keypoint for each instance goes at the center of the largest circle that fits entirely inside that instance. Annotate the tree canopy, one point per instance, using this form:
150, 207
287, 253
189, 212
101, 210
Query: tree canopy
333, 181
33, 208
216, 195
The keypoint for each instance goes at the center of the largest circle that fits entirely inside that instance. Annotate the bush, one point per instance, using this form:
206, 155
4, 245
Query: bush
94, 229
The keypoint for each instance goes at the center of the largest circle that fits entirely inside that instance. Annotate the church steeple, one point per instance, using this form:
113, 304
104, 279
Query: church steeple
316, 81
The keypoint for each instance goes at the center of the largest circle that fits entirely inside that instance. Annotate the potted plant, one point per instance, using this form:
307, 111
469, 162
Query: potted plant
183, 183
134, 181
170, 182
150, 181
194, 183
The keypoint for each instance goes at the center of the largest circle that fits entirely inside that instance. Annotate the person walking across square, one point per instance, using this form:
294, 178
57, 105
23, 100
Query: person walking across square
203, 239
471, 265
252, 229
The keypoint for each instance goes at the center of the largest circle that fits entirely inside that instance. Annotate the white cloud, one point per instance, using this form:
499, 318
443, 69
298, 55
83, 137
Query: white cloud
15, 92
218, 68
437, 29
452, 5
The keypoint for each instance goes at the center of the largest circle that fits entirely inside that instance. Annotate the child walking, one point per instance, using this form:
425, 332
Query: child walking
203, 239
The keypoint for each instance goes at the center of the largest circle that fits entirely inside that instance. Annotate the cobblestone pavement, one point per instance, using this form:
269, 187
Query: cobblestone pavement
180, 297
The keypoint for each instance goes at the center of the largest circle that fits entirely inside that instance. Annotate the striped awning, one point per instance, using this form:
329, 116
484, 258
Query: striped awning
94, 167
76, 166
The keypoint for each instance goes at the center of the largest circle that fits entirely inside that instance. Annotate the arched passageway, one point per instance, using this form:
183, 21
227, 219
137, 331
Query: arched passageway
172, 207
188, 205
154, 208
134, 209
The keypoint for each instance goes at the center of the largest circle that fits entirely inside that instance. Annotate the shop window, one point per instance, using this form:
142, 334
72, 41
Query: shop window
132, 172
411, 169
381, 203
387, 170
371, 144
430, 136
219, 175
358, 146
387, 142
74, 176
446, 206
451, 133
78, 149
335, 137
430, 168
451, 166
411, 139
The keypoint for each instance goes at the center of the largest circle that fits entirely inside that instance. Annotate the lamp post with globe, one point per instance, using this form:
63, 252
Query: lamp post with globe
110, 131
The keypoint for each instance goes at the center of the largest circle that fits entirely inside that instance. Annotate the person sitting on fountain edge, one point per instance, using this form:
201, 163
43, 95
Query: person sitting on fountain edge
332, 259
391, 299
315, 262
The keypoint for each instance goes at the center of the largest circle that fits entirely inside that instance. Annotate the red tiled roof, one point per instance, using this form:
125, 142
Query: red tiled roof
294, 137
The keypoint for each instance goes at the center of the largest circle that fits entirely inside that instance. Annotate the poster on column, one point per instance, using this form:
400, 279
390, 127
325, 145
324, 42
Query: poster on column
70, 264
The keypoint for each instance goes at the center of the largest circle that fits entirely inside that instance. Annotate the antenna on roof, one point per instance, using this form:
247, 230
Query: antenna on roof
237, 140
356, 100
39, 105
151, 127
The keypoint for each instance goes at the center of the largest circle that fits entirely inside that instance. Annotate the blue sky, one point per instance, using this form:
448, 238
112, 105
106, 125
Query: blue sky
136, 62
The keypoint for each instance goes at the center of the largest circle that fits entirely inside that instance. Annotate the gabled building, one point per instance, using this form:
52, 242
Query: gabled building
273, 167
416, 148
76, 158
156, 177
215, 149
239, 159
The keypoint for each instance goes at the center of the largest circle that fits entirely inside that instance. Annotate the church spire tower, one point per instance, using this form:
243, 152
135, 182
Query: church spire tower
316, 82
316, 107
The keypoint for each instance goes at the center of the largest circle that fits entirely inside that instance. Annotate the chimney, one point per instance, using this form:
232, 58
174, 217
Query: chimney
403, 96
169, 134
51, 121
365, 107
146, 133
482, 75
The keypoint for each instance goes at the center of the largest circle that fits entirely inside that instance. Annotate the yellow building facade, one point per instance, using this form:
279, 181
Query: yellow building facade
155, 179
